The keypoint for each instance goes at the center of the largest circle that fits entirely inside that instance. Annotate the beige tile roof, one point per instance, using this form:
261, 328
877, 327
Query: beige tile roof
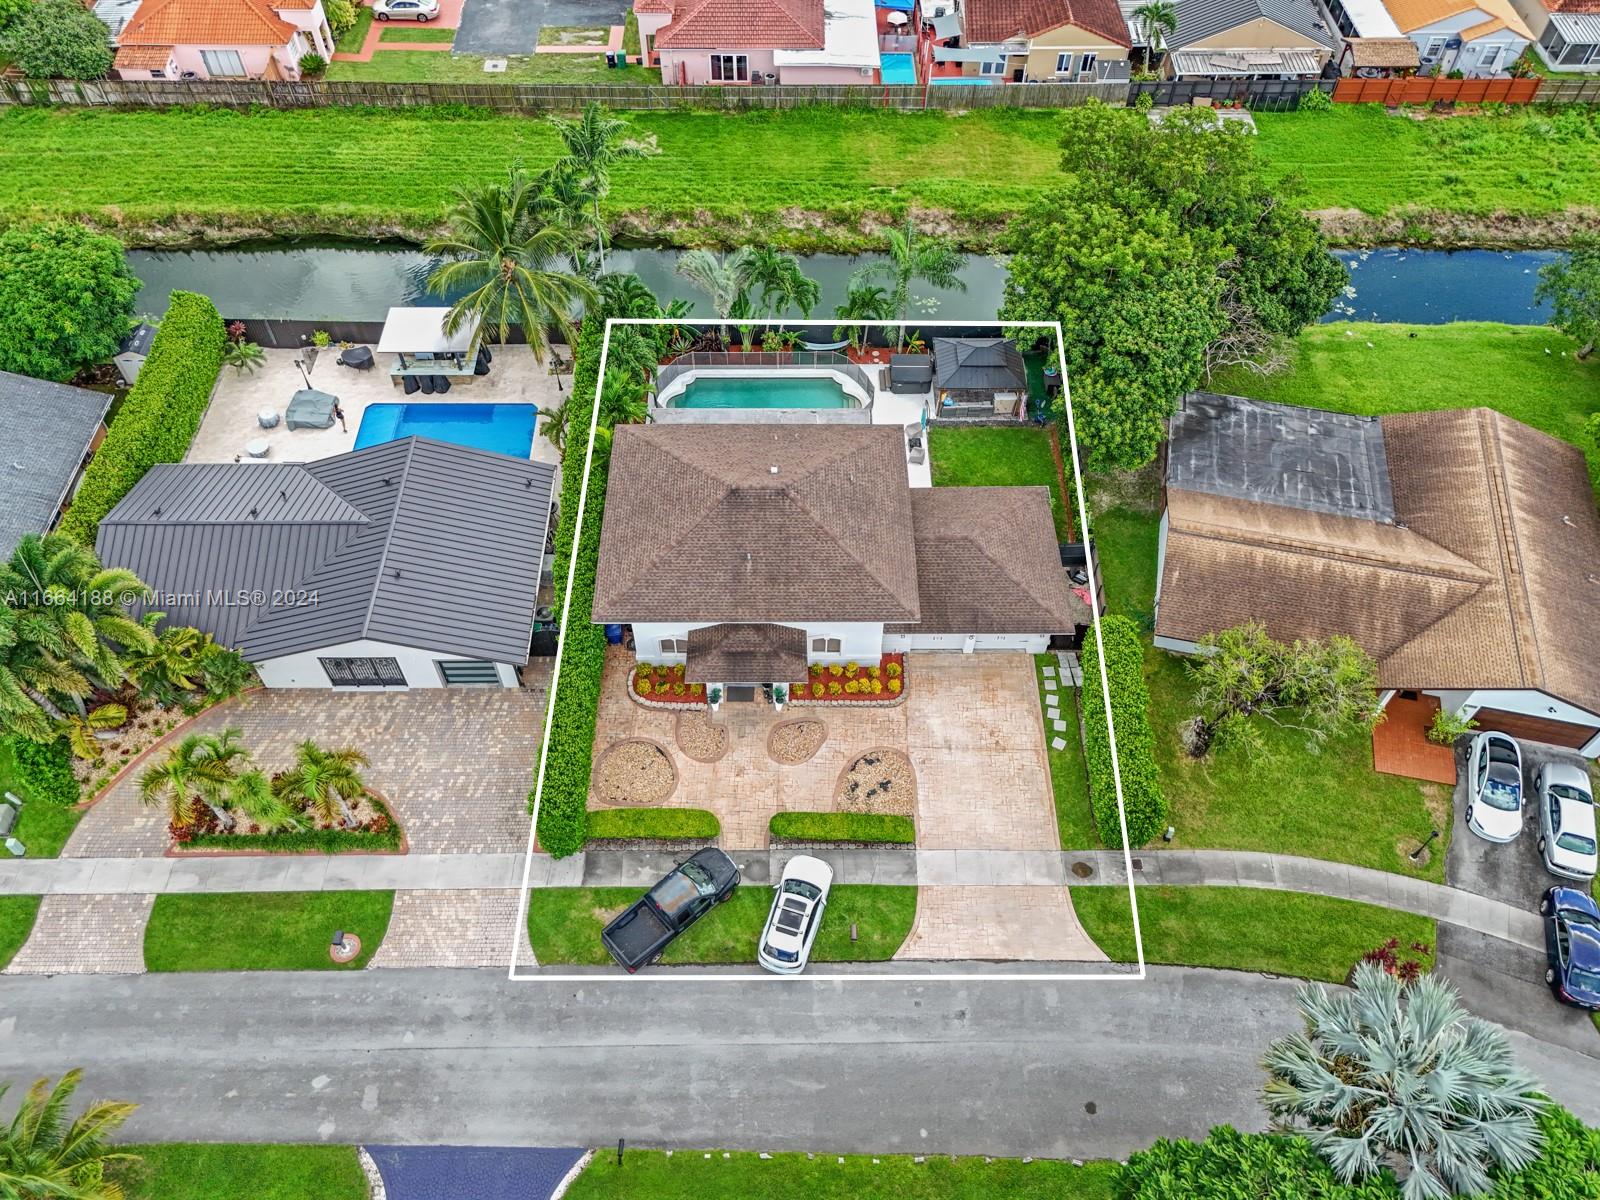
1411, 15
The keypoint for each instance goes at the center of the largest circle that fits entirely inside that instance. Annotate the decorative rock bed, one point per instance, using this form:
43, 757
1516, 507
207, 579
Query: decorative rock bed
881, 780
794, 742
701, 738
635, 771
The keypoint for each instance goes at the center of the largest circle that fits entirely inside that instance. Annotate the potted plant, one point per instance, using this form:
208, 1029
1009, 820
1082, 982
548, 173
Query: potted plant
915, 344
714, 696
780, 695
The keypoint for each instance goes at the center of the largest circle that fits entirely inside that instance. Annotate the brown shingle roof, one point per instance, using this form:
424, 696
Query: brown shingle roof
1485, 581
757, 523
744, 24
746, 654
987, 562
989, 21
1394, 53
207, 23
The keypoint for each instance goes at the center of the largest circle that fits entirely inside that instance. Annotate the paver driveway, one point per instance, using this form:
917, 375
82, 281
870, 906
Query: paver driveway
455, 765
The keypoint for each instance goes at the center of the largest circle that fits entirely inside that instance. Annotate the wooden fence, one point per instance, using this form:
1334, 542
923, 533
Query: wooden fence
1424, 90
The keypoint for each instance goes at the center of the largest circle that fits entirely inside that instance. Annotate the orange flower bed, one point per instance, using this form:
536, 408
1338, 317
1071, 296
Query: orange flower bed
883, 680
666, 685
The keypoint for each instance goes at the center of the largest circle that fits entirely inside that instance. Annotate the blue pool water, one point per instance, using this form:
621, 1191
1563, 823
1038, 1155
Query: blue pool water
733, 392
505, 428
898, 68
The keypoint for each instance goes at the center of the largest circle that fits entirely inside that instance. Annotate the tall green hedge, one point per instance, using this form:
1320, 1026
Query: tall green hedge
161, 414
43, 771
1136, 753
563, 817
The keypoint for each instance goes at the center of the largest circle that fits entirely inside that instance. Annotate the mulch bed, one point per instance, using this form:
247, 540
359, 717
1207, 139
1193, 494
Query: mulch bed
794, 742
701, 738
665, 685
635, 771
878, 683
880, 781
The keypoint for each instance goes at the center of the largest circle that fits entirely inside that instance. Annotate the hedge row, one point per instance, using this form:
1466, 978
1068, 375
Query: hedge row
43, 772
1136, 752
563, 805
654, 824
161, 414
841, 827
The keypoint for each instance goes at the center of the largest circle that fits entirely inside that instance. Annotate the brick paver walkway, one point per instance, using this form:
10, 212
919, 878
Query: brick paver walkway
1030, 924
85, 935
455, 765
453, 929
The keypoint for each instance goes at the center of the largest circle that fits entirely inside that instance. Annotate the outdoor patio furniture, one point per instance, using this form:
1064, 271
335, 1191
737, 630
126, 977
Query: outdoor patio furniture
409, 382
441, 384
804, 345
257, 447
358, 357
425, 382
310, 409
480, 365
267, 418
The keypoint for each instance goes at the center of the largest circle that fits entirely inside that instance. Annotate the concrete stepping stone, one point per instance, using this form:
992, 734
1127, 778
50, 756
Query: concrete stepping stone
1057, 743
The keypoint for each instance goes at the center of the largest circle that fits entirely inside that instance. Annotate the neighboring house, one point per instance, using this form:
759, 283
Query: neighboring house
115, 14
1459, 548
1374, 47
51, 432
760, 41
1044, 41
749, 552
979, 377
1249, 39
1476, 37
411, 564
1567, 32
222, 39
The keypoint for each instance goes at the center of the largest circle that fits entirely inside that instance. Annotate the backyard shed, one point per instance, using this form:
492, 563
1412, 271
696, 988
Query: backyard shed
979, 377
134, 350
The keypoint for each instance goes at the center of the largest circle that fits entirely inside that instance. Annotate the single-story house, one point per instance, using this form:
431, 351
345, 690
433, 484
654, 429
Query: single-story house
760, 41
410, 564
1047, 41
1249, 39
1459, 548
979, 377
1567, 32
749, 552
222, 39
51, 432
1476, 37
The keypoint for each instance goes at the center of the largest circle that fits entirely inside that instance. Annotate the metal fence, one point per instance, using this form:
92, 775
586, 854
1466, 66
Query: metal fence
728, 361
1275, 95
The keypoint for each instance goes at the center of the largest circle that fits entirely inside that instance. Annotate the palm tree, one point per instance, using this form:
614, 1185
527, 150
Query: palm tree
251, 794
722, 277
326, 780
862, 302
34, 666
624, 294
932, 260
200, 769
82, 731
1160, 21
170, 665
1402, 1077
621, 399
42, 1154
511, 269
224, 671
555, 426
780, 280
595, 144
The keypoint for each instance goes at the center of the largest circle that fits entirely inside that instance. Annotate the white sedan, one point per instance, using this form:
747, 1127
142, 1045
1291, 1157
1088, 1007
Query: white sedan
797, 908
1566, 820
405, 10
1494, 787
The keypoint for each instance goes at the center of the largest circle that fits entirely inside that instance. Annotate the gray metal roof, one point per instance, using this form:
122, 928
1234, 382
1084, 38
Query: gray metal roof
45, 430
1201, 19
978, 364
1301, 458
139, 338
414, 542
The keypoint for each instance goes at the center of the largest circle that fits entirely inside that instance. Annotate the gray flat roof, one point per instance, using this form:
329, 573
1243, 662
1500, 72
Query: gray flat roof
978, 364
414, 542
1302, 458
46, 430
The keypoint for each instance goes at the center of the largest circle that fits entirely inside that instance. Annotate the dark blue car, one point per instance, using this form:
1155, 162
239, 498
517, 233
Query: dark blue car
1572, 944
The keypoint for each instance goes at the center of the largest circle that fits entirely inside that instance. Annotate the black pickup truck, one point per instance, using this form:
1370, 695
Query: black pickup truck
696, 886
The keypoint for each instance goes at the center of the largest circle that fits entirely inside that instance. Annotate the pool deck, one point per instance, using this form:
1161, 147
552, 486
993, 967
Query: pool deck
230, 421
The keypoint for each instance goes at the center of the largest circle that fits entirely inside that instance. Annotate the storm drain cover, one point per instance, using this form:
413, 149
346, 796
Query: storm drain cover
495, 66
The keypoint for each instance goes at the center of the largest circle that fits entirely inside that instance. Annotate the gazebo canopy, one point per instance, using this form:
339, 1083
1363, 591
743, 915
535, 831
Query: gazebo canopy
421, 331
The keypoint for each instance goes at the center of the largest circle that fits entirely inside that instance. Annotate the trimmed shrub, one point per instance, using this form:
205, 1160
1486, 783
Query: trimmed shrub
66, 298
842, 827
44, 772
161, 414
654, 823
1130, 706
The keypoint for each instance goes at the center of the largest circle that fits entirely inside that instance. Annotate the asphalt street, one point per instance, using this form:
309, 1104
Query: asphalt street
467, 1057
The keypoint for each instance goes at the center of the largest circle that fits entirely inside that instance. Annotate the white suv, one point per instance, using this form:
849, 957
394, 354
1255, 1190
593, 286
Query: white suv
797, 908
1566, 820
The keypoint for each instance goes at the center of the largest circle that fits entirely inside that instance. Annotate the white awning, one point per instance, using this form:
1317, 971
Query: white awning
849, 38
1225, 64
1580, 28
421, 331
947, 26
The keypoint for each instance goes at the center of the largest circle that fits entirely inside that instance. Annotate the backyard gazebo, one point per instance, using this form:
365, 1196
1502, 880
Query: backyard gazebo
421, 346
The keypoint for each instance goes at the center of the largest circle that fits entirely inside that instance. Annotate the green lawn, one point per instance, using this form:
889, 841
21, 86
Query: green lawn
997, 457
1068, 777
193, 1171
1247, 929
16, 922
261, 931
436, 66
418, 33
352, 39
564, 925
42, 828
695, 1175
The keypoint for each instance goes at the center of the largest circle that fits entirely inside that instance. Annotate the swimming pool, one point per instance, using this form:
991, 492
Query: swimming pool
504, 428
898, 68
734, 391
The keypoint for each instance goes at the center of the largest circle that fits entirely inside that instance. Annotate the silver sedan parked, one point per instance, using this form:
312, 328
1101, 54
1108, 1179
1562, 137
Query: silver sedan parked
405, 10
1566, 820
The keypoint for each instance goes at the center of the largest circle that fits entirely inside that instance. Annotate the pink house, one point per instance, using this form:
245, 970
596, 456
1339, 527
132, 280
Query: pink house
222, 39
760, 41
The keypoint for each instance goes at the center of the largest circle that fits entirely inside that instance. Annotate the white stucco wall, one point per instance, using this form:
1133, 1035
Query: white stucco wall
860, 641
420, 667
1528, 702
313, 23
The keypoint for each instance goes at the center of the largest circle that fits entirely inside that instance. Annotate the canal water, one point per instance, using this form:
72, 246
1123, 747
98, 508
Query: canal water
360, 283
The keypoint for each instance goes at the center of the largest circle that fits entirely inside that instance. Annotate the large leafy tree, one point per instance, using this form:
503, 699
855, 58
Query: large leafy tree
911, 257
512, 269
47, 1155
1400, 1077
66, 295
57, 39
1571, 285
596, 142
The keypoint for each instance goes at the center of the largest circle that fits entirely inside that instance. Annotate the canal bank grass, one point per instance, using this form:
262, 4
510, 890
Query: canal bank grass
196, 1171
262, 931
1249, 929
721, 1175
564, 925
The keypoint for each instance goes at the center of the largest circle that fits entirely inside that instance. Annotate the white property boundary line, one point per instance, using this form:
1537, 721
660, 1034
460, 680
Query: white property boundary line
561, 641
